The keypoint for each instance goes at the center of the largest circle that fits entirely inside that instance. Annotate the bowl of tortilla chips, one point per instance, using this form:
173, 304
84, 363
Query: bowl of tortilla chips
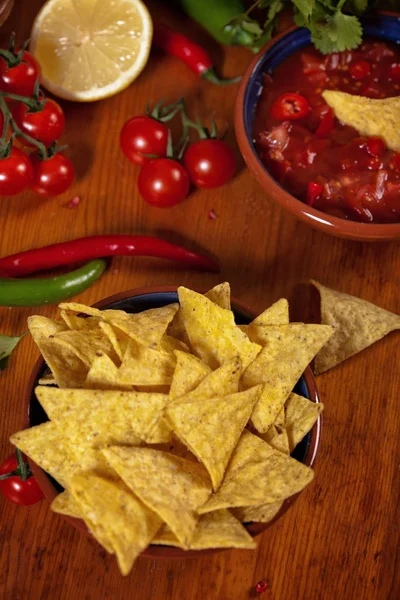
169, 423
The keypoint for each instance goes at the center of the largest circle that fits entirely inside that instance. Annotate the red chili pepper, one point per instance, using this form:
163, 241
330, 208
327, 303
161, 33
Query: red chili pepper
326, 125
314, 191
195, 57
360, 69
290, 107
100, 246
375, 146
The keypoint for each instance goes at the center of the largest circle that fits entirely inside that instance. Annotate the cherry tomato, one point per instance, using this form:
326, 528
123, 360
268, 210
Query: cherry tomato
210, 163
52, 176
143, 135
20, 79
360, 69
46, 125
15, 173
375, 146
290, 107
15, 489
163, 182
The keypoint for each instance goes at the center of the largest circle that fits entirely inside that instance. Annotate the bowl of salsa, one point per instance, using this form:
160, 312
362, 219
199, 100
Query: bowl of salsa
325, 172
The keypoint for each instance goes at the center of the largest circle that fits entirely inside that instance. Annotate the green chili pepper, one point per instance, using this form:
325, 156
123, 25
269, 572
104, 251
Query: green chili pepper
36, 292
214, 15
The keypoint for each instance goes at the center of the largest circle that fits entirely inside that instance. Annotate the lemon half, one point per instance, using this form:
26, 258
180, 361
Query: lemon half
91, 49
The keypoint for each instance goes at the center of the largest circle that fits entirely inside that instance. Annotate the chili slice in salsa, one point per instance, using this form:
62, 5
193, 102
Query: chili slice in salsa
317, 159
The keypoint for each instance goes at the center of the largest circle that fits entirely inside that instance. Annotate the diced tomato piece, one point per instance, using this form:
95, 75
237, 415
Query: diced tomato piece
374, 163
375, 52
360, 69
290, 106
396, 161
314, 191
376, 146
326, 125
277, 138
394, 72
318, 78
311, 63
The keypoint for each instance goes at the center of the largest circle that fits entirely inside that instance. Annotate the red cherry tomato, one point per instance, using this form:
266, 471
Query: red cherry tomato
360, 69
290, 107
210, 163
46, 125
143, 135
163, 182
376, 146
15, 173
15, 489
52, 176
20, 79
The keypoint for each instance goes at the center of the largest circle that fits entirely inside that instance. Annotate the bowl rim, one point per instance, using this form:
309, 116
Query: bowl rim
307, 214
170, 552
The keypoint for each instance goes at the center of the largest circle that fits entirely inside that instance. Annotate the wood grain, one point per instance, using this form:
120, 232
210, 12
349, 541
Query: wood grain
341, 538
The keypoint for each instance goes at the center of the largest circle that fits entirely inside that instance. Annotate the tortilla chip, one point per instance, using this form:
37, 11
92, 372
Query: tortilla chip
301, 416
101, 417
369, 116
277, 439
127, 523
257, 474
257, 514
75, 307
117, 341
214, 336
220, 295
146, 366
221, 382
189, 372
86, 344
357, 323
104, 375
287, 352
48, 379
81, 323
146, 327
170, 486
277, 314
49, 449
64, 504
218, 529
202, 426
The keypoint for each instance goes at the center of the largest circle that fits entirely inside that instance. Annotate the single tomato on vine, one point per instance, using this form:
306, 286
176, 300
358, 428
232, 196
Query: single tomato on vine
16, 173
163, 182
45, 125
210, 163
51, 176
14, 488
143, 135
19, 79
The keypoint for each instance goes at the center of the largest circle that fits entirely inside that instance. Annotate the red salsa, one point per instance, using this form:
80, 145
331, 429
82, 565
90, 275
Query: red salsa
326, 164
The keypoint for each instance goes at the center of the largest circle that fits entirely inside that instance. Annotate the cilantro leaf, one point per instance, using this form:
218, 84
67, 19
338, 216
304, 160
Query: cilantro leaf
305, 7
7, 345
345, 31
357, 6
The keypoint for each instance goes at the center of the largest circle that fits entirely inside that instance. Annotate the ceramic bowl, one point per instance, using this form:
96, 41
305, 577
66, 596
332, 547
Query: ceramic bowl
385, 26
135, 301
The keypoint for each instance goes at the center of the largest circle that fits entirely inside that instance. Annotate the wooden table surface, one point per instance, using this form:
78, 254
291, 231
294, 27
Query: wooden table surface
340, 540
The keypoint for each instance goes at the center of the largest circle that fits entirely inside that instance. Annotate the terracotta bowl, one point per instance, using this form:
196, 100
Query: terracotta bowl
135, 301
385, 26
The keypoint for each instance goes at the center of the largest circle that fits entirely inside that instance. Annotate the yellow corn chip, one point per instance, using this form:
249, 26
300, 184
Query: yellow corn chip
64, 504
48, 379
171, 344
82, 323
213, 335
220, 295
257, 514
218, 529
287, 352
100, 417
357, 323
189, 372
202, 427
257, 474
81, 308
146, 366
127, 523
86, 344
104, 375
301, 416
67, 368
147, 327
371, 117
117, 341
169, 485
49, 449
277, 439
